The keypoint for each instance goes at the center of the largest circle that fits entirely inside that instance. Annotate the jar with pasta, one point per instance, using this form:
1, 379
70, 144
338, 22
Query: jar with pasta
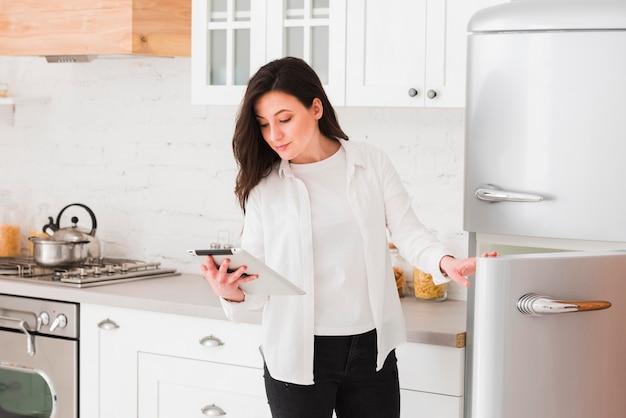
399, 269
9, 229
425, 289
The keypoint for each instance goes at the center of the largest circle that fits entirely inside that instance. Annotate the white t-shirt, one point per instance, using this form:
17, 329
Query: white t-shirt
342, 305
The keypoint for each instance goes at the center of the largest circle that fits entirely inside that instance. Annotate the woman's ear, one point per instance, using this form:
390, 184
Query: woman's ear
318, 108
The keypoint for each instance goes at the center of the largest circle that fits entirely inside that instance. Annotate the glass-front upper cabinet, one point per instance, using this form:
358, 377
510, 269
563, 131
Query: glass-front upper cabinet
231, 39
313, 30
228, 45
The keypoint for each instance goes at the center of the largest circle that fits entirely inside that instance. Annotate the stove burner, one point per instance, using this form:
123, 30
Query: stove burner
94, 272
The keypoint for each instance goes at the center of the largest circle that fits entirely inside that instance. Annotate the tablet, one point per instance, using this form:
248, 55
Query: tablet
269, 282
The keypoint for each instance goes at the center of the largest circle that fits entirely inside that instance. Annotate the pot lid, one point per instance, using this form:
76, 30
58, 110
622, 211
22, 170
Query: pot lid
69, 235
550, 15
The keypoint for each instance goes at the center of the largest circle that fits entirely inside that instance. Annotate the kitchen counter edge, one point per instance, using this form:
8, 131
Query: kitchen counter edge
435, 323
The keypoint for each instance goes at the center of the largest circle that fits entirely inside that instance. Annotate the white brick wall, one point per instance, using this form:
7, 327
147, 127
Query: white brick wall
121, 136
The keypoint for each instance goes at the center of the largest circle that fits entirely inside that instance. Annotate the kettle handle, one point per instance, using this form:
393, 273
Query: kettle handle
50, 228
94, 224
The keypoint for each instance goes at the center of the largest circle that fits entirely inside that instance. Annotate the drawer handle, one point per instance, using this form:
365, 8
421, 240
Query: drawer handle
211, 341
107, 324
213, 411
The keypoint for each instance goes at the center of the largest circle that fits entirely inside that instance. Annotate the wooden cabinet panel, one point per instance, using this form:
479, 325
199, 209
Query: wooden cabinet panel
78, 27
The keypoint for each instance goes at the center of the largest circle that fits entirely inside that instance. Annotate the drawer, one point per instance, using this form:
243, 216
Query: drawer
171, 387
421, 404
191, 337
431, 368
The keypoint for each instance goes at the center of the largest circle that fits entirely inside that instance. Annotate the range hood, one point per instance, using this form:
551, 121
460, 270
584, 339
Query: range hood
80, 30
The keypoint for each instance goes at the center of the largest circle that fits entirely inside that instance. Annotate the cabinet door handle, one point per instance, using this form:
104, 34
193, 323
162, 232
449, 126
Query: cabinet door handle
213, 411
211, 341
107, 324
431, 94
413, 92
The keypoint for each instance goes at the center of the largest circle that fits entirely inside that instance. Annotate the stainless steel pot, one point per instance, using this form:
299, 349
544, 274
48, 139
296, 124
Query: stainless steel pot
49, 252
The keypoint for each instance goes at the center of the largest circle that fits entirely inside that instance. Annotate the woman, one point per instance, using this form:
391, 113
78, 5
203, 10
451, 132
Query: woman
318, 209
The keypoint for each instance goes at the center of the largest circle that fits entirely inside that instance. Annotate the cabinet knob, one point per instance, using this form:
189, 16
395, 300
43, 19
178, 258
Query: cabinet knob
213, 411
413, 92
107, 324
431, 94
211, 341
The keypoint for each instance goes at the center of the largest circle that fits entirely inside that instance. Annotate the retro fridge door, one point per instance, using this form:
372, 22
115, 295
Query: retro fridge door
546, 134
548, 336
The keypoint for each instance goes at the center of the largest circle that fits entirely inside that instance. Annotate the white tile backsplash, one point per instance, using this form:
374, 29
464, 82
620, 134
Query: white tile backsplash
121, 136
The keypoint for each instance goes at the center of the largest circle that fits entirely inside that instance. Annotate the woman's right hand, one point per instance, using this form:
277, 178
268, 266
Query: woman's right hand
225, 283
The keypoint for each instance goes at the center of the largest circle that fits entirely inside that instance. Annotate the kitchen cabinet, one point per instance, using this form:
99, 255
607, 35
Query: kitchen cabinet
232, 39
410, 55
77, 27
431, 380
136, 363
145, 364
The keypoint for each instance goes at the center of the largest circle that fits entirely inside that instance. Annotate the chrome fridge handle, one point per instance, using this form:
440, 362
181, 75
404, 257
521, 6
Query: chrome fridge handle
536, 305
490, 193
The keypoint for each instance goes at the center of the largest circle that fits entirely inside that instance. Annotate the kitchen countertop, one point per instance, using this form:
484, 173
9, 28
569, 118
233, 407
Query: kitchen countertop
437, 323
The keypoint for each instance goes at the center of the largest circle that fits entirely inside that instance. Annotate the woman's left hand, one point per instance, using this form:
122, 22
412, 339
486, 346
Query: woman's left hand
458, 269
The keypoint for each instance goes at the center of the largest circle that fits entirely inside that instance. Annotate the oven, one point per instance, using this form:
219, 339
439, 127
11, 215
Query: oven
38, 358
39, 338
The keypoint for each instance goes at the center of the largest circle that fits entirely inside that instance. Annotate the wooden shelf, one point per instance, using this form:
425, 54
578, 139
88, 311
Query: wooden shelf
12, 101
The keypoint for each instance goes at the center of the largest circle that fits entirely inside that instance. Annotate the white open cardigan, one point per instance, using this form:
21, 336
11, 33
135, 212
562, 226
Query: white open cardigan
277, 229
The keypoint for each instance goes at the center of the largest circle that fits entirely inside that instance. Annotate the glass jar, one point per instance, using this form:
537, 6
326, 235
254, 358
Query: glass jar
425, 289
399, 269
9, 228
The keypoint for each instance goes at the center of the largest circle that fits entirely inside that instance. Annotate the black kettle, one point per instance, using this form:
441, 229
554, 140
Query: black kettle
72, 233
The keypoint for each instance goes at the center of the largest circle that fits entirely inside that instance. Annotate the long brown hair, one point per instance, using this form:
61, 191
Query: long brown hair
255, 158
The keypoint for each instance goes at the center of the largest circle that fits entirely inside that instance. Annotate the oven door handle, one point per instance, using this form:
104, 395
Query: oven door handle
30, 338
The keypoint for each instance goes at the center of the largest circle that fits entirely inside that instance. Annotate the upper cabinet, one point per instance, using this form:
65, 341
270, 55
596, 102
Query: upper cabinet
411, 54
313, 30
408, 53
231, 39
228, 44
79, 27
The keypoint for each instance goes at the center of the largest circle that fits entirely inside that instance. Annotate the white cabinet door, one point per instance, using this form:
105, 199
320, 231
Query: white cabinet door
172, 387
385, 54
446, 34
408, 53
431, 380
113, 339
108, 378
227, 47
431, 368
415, 404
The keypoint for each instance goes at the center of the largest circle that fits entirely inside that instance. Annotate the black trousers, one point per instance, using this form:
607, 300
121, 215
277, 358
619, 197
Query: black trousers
346, 381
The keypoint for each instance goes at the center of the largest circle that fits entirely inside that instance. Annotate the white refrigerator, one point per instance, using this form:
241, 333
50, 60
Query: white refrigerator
544, 171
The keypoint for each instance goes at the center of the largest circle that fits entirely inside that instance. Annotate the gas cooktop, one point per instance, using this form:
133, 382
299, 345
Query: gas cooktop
94, 272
